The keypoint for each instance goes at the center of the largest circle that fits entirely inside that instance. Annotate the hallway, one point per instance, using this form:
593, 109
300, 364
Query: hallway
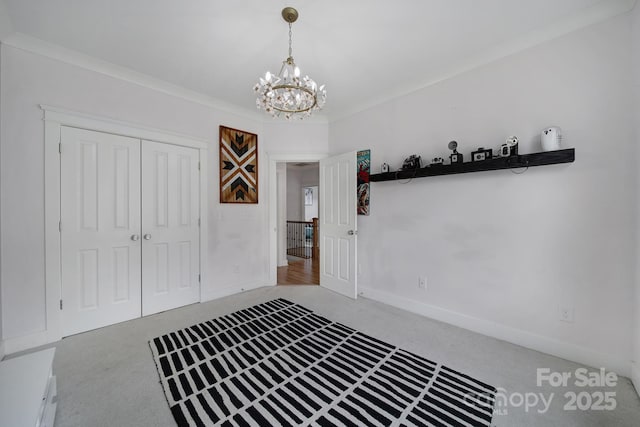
300, 272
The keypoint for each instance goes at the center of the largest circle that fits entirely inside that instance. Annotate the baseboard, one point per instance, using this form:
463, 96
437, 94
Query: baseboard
231, 290
496, 330
635, 377
26, 342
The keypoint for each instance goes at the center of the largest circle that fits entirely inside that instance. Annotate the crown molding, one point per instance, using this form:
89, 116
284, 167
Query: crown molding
599, 12
40, 47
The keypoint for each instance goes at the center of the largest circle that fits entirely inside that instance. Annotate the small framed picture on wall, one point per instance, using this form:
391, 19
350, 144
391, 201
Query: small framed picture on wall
308, 196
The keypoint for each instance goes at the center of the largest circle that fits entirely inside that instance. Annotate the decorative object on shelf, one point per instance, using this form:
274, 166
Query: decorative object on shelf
287, 93
411, 163
385, 168
455, 157
513, 140
437, 161
364, 166
551, 138
238, 166
481, 154
510, 148
499, 163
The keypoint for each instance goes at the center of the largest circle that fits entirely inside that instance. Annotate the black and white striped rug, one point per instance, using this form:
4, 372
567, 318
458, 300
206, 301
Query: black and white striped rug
278, 363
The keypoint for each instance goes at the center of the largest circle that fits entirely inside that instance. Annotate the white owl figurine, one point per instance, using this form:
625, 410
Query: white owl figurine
551, 138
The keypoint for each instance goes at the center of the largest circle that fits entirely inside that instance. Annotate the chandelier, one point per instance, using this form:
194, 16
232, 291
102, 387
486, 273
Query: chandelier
287, 94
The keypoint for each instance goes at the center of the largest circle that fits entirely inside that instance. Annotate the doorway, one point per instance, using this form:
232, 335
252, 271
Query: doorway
298, 202
338, 215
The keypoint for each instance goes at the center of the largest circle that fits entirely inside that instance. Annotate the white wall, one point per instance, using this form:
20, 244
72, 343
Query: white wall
281, 188
294, 194
311, 178
238, 240
500, 251
6, 26
299, 137
635, 375
311, 175
299, 177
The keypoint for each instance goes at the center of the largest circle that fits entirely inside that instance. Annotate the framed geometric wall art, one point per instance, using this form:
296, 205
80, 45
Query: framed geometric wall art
238, 166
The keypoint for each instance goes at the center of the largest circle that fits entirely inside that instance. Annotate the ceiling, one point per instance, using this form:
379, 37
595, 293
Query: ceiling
366, 51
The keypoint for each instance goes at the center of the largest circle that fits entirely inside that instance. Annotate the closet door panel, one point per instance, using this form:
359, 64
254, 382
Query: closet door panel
100, 219
171, 233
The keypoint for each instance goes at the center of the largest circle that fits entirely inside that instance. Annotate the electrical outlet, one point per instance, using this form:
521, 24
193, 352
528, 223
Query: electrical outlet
565, 313
422, 282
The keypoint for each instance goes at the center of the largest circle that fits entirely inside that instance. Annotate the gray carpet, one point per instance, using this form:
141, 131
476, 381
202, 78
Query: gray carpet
107, 377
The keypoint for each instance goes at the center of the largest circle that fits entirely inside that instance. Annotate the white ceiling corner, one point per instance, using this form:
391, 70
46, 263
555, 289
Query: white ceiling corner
366, 51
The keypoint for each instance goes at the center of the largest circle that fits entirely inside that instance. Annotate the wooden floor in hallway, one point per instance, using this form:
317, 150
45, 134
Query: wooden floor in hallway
300, 272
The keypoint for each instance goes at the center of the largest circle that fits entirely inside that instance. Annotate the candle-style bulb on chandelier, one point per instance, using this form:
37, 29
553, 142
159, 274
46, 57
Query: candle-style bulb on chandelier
287, 94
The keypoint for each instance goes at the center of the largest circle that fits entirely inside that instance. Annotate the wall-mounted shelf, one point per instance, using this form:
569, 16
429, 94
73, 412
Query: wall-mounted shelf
497, 163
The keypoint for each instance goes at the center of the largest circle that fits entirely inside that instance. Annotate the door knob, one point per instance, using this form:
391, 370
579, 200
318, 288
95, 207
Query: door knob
135, 237
147, 237
351, 232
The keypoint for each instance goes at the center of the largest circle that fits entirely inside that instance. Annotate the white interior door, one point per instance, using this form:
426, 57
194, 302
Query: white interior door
171, 235
338, 225
100, 219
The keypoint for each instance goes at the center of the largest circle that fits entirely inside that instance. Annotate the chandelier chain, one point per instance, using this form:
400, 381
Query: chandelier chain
290, 33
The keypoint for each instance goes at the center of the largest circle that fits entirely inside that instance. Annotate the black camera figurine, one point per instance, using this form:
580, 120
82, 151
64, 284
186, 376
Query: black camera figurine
455, 157
411, 163
481, 154
510, 148
437, 161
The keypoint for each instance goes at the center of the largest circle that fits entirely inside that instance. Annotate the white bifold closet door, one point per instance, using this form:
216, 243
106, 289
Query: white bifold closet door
130, 241
171, 234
